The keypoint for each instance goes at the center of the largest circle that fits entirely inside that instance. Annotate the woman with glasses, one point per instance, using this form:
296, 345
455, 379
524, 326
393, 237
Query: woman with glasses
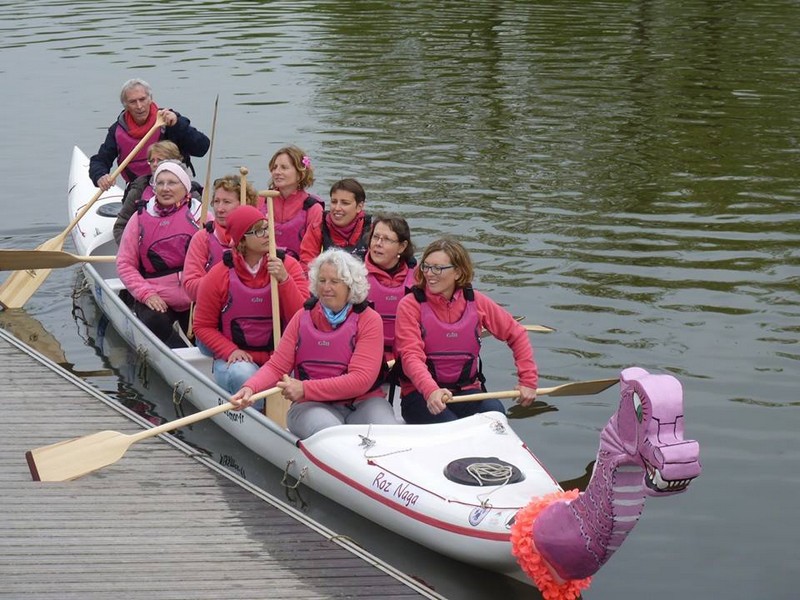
332, 349
292, 174
208, 244
233, 314
152, 251
437, 339
344, 226
141, 189
390, 266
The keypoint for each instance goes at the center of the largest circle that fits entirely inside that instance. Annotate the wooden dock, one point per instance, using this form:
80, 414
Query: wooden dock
165, 522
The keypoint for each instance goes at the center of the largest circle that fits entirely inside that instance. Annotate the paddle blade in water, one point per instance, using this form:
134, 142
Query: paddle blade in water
72, 458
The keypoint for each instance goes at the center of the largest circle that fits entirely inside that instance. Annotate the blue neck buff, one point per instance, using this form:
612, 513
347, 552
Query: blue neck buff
335, 319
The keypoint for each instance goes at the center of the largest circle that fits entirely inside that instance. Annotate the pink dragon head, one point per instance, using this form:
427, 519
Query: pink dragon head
649, 427
563, 539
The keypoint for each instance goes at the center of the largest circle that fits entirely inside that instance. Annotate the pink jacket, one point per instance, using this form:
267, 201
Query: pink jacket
411, 347
365, 363
169, 287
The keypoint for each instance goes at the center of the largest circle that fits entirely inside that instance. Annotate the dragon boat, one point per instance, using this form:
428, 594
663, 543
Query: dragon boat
500, 510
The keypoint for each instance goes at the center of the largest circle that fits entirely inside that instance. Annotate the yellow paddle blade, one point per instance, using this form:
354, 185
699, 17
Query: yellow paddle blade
69, 459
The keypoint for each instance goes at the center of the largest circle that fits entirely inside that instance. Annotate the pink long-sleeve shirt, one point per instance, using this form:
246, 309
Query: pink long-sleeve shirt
168, 287
362, 372
411, 347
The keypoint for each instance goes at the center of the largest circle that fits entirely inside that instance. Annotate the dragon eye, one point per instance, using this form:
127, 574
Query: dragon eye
637, 406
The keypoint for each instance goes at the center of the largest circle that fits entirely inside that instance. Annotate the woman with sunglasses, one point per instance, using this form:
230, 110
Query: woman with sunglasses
390, 266
208, 244
233, 314
152, 251
437, 339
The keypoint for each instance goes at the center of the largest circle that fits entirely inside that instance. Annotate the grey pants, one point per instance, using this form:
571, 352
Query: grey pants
304, 419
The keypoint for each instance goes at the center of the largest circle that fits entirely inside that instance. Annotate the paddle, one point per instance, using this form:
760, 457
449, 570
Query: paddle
578, 388
204, 204
18, 260
207, 184
277, 407
539, 328
70, 459
21, 285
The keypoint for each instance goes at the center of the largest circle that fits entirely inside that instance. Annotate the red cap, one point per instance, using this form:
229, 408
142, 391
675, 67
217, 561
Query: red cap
242, 219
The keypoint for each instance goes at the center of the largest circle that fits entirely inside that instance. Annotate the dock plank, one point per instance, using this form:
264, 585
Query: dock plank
165, 522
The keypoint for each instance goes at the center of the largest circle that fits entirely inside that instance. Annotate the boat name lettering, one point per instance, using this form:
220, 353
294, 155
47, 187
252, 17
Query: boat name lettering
402, 492
235, 416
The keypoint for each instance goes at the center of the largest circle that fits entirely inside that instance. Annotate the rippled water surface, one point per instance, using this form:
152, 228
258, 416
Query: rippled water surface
624, 172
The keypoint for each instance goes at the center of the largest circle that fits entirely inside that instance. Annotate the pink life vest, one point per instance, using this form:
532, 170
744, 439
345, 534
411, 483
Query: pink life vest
322, 354
452, 349
125, 143
215, 247
246, 318
163, 241
385, 299
289, 234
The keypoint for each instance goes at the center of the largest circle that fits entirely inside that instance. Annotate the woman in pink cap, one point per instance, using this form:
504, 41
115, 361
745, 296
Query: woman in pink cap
152, 251
233, 314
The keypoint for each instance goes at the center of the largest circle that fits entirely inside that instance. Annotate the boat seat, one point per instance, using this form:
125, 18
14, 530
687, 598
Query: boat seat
194, 357
115, 284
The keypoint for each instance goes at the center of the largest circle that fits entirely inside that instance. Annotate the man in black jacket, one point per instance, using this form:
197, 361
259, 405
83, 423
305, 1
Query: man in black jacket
137, 118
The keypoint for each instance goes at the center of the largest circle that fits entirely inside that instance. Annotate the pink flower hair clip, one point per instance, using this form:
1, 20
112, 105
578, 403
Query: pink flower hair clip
306, 161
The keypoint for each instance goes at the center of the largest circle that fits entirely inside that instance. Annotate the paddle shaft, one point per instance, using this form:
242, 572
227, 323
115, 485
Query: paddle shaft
273, 255
206, 192
205, 414
114, 174
580, 388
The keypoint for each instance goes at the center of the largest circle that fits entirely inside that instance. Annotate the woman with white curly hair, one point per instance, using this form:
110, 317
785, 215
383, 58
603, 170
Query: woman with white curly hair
333, 350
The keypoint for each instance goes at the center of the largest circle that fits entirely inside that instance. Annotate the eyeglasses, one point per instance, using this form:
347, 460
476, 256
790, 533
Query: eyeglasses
380, 239
168, 184
259, 233
435, 269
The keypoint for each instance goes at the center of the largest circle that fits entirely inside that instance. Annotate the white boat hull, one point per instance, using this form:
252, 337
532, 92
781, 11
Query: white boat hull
390, 474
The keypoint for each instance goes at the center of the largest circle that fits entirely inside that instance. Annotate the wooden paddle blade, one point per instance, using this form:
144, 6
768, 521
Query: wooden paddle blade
580, 388
19, 260
70, 459
21, 285
539, 328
